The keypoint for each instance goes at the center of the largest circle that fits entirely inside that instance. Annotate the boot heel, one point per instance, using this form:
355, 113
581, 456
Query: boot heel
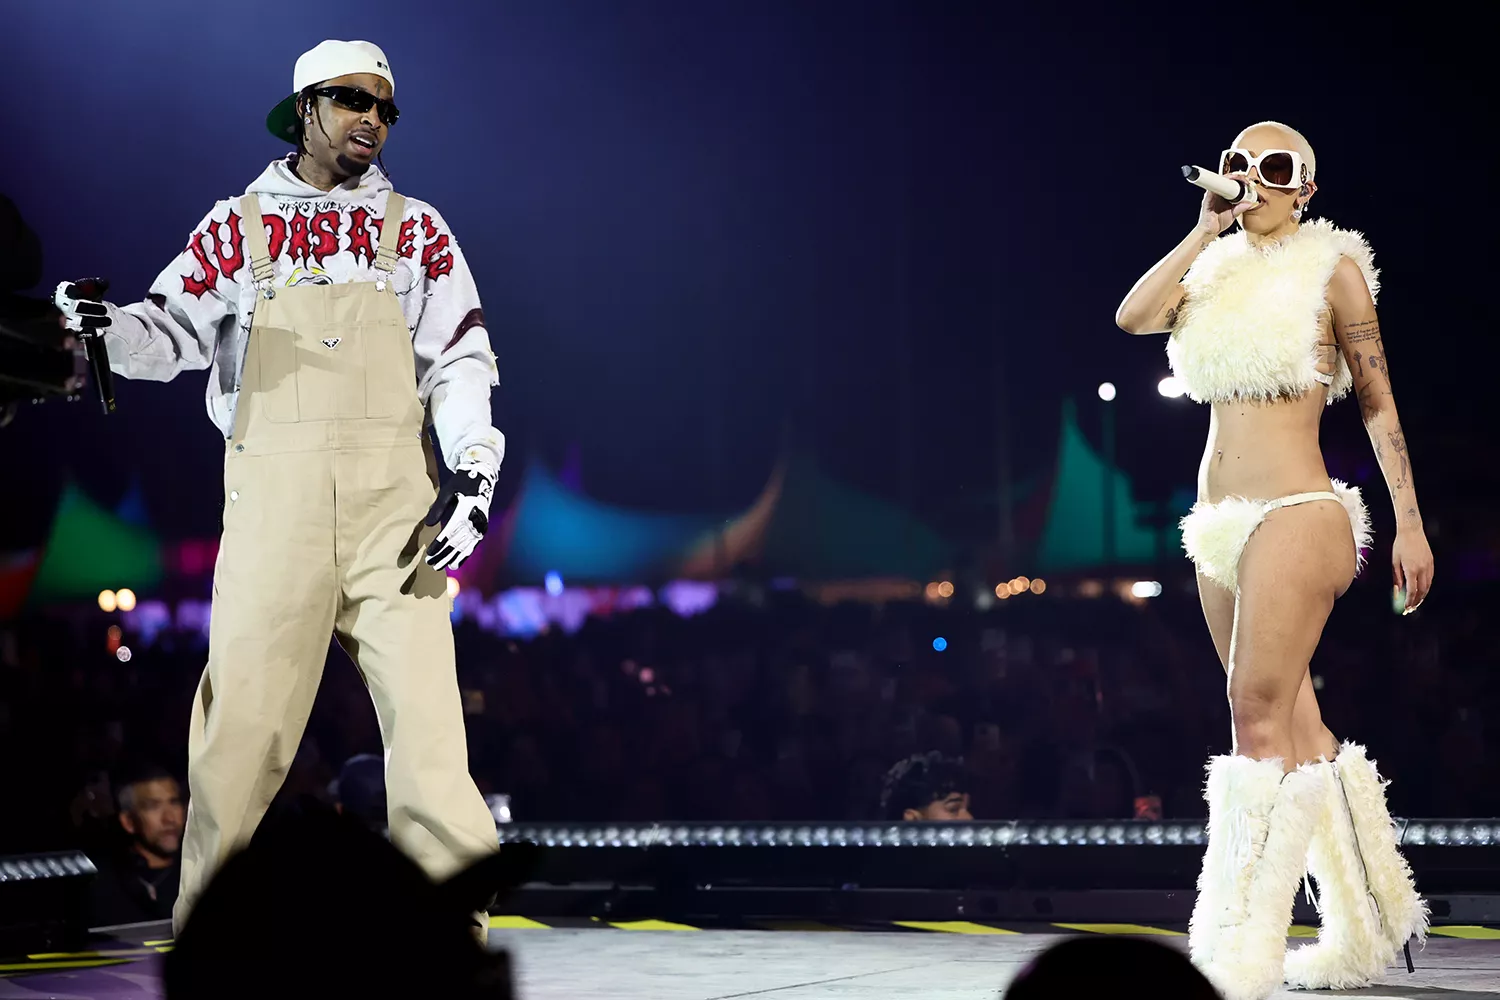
1406, 949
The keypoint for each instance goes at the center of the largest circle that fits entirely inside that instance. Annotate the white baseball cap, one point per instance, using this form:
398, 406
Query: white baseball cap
327, 61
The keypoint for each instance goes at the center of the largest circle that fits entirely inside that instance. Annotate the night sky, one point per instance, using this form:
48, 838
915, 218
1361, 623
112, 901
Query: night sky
879, 230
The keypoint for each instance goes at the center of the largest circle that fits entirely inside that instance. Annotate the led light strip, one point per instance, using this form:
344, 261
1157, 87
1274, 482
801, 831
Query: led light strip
30, 867
893, 835
1473, 832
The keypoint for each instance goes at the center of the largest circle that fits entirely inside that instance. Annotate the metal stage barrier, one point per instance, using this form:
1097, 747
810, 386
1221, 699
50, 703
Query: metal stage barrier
1134, 871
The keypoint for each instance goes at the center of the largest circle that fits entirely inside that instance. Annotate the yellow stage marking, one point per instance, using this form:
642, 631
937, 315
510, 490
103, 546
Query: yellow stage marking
650, 925
516, 923
92, 963
951, 926
1120, 929
1469, 932
114, 953
1301, 930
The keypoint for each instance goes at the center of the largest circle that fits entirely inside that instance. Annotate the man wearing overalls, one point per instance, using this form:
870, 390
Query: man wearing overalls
334, 316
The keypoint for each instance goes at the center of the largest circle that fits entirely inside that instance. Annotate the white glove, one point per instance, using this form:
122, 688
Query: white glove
463, 508
81, 304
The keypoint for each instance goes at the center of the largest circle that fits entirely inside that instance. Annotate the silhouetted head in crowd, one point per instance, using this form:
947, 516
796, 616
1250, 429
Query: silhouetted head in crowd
320, 906
926, 786
1109, 967
359, 790
151, 813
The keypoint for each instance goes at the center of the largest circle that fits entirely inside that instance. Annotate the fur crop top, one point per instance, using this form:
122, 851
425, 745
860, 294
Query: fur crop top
1249, 323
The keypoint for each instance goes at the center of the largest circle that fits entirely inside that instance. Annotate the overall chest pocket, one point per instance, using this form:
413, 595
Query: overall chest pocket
309, 375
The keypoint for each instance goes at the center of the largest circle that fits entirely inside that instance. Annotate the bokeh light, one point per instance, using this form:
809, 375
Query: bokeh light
107, 601
1171, 387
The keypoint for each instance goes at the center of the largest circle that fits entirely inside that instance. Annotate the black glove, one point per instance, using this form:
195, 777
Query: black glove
463, 508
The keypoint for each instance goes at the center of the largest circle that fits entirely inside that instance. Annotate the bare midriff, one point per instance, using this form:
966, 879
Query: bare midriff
1264, 449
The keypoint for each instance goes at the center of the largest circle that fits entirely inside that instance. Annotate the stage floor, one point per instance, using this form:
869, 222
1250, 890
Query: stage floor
662, 961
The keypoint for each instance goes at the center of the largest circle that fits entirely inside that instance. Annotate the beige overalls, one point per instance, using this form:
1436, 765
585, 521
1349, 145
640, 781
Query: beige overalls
327, 479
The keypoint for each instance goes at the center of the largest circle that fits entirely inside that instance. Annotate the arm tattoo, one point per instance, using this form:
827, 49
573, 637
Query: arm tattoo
1411, 515
1359, 364
1369, 399
1172, 317
1377, 364
1358, 333
1398, 445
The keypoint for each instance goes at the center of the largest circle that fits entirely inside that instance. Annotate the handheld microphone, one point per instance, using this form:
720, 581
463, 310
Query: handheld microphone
1231, 190
92, 290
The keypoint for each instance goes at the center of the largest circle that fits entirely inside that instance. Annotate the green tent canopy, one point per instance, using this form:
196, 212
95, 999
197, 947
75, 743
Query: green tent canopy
91, 550
1073, 538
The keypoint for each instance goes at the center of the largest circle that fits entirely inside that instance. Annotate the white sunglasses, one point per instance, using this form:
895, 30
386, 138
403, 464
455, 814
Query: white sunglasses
1278, 168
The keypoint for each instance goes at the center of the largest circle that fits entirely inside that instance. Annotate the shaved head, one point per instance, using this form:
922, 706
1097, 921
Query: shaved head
1271, 135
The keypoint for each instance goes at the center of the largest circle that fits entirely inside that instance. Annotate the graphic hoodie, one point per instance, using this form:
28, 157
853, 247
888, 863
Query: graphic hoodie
198, 312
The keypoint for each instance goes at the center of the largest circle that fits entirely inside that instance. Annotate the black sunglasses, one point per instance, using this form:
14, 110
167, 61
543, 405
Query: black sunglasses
360, 100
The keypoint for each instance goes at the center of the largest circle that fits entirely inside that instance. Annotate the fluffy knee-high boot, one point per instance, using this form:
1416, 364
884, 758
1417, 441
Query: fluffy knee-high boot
1368, 902
1260, 822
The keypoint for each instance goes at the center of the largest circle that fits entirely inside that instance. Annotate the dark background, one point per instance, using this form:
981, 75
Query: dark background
892, 227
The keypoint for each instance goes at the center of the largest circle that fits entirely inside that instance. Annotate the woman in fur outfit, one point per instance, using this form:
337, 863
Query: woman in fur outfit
1269, 324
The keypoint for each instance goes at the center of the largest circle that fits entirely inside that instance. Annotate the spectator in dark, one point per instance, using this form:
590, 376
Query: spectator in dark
139, 883
354, 917
1109, 967
359, 790
926, 786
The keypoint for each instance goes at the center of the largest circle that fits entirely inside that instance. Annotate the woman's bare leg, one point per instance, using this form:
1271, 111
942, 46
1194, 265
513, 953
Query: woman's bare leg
1294, 566
1310, 738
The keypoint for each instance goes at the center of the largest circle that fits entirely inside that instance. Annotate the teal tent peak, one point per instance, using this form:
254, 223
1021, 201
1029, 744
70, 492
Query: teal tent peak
555, 529
91, 549
1073, 537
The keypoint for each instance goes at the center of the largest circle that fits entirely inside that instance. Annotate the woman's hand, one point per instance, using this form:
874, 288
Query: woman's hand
1217, 215
1411, 563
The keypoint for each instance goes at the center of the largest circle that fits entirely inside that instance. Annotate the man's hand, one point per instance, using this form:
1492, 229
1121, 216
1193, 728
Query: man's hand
463, 508
81, 303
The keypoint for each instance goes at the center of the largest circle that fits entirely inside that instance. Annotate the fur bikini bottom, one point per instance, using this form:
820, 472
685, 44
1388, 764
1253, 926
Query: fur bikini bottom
1214, 534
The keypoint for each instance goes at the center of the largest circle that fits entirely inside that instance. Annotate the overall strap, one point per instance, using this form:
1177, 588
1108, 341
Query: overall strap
261, 269
390, 233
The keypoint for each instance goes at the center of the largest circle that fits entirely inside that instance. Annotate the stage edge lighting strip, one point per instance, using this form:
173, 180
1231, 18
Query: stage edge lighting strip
1447, 833
31, 867
893, 835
